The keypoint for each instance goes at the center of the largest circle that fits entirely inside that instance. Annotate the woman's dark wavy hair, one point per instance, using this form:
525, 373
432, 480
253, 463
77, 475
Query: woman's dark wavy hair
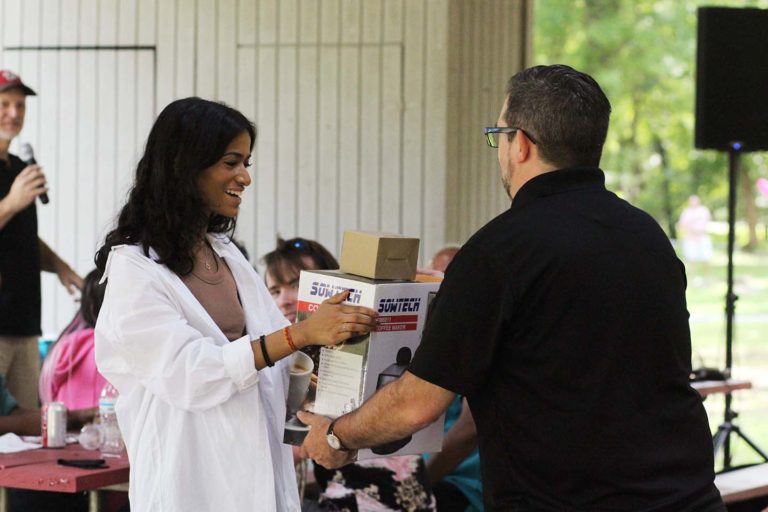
165, 210
91, 297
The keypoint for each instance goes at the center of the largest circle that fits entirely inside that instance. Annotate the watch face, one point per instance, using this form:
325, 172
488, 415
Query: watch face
333, 441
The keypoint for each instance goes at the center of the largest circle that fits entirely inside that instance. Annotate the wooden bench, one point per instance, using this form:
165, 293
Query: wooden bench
743, 484
709, 387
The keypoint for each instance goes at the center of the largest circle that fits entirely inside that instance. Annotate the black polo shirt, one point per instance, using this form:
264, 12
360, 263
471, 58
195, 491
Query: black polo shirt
19, 263
564, 322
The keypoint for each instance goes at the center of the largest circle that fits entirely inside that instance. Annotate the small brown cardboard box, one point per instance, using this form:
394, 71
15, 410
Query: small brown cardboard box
379, 255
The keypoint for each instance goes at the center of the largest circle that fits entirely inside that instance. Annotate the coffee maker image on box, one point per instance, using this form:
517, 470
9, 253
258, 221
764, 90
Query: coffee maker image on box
390, 374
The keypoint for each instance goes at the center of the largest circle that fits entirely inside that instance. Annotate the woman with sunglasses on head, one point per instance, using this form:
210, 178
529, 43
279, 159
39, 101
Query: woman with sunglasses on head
188, 333
390, 483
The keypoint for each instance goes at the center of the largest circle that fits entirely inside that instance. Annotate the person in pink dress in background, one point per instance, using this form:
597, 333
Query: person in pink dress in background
69, 371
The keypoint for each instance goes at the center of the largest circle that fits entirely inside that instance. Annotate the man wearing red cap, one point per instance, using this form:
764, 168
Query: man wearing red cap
22, 254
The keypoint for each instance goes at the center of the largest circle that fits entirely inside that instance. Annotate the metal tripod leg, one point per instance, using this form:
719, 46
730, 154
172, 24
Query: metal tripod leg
723, 431
751, 443
722, 441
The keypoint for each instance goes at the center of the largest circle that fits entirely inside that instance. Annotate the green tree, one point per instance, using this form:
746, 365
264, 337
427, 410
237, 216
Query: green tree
643, 53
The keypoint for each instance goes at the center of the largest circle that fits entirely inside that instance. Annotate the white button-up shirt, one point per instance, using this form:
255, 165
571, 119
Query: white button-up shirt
202, 427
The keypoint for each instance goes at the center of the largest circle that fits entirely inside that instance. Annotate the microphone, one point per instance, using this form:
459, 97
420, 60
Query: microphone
26, 154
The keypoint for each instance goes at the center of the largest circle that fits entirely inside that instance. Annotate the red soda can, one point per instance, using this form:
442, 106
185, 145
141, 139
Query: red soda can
53, 425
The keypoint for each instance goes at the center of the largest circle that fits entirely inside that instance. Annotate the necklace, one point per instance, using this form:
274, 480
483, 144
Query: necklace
206, 262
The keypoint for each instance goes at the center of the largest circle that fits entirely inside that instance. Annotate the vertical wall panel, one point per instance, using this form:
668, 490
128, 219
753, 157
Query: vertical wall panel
370, 116
50, 30
68, 21
127, 155
477, 159
145, 105
393, 21
186, 47
330, 21
146, 22
247, 24
371, 21
246, 102
88, 24
106, 139
108, 22
305, 140
205, 78
166, 52
268, 21
349, 139
65, 173
267, 201
413, 115
475, 91
370, 137
31, 21
288, 21
127, 23
87, 231
12, 22
285, 200
47, 152
329, 199
227, 69
433, 230
351, 11
391, 116
309, 16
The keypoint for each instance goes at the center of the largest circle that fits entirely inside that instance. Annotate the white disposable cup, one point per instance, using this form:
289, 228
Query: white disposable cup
301, 373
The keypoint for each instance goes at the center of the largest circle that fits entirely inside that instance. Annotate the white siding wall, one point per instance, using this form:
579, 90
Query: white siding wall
350, 97
489, 42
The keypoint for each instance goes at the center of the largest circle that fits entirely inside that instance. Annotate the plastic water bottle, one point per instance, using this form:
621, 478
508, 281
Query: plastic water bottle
91, 436
112, 444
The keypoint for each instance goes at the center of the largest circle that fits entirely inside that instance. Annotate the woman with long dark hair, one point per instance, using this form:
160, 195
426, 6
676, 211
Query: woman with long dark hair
188, 333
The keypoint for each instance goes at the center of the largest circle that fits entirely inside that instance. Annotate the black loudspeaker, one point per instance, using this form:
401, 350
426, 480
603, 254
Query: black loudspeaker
732, 78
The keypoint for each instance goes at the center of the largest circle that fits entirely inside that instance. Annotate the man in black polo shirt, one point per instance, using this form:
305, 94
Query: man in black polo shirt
22, 253
564, 323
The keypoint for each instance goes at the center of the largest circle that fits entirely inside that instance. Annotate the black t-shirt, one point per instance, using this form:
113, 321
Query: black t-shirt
19, 264
564, 322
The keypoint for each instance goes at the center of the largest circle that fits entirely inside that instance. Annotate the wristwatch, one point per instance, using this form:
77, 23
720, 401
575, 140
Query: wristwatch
333, 441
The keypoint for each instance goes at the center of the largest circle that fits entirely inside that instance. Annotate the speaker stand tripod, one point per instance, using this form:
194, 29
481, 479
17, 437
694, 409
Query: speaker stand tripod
722, 439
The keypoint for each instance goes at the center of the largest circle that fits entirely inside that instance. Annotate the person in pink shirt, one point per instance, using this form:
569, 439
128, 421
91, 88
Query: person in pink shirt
69, 371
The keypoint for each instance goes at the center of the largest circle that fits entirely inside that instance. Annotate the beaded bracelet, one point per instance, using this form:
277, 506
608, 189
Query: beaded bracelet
289, 339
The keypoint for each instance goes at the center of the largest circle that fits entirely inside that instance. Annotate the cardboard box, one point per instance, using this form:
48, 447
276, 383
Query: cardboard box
379, 255
351, 372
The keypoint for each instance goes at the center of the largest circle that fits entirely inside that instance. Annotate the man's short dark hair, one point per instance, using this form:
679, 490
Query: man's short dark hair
288, 258
564, 110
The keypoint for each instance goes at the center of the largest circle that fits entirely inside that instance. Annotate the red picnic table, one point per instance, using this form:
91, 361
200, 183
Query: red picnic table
38, 470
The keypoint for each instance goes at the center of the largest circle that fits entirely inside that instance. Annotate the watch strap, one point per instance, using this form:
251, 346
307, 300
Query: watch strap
332, 433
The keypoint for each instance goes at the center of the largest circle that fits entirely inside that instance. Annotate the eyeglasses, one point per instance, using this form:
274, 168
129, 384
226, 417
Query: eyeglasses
491, 131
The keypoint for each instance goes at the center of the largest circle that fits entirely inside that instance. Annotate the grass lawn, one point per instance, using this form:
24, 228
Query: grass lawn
706, 303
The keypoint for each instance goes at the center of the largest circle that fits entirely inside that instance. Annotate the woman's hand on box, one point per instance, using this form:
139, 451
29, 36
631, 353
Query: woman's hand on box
334, 322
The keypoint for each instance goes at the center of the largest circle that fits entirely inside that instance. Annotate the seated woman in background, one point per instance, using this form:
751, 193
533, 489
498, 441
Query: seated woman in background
69, 371
391, 483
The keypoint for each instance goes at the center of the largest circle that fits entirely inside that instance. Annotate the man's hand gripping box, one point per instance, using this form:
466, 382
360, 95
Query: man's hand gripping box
352, 371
